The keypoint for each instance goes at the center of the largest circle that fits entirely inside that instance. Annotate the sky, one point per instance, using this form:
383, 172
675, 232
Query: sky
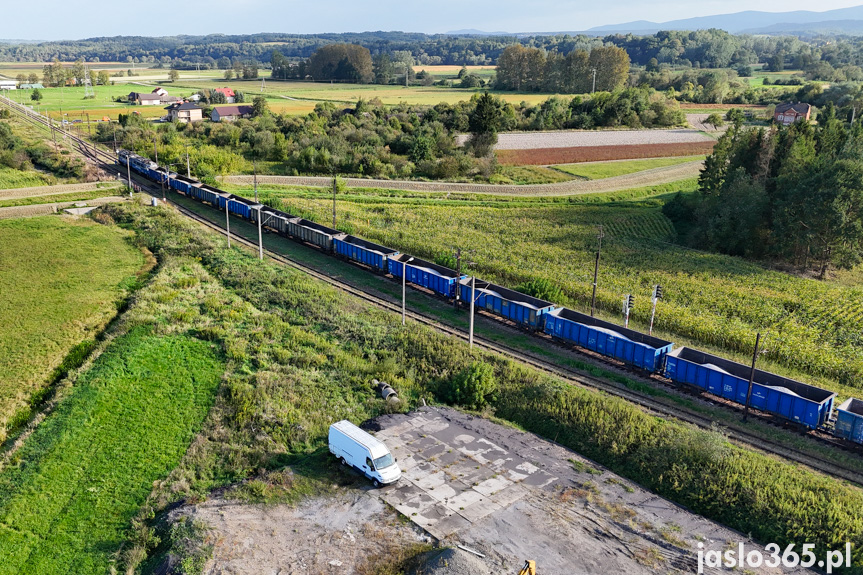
73, 19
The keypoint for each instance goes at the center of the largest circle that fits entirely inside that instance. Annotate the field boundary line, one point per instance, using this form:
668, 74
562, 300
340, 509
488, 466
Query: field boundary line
652, 177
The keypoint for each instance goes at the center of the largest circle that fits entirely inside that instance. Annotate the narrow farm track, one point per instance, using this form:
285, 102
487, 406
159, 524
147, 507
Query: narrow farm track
574, 187
60, 189
667, 410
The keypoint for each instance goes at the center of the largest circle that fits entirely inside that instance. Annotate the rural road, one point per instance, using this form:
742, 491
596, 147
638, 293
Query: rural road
569, 188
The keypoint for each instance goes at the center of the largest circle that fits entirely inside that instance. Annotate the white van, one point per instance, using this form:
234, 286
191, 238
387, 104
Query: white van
356, 448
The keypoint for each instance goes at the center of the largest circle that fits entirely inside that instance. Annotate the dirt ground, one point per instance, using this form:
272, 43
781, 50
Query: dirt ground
502, 493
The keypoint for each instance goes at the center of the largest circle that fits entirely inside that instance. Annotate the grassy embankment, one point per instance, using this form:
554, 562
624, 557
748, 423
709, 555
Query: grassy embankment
711, 301
304, 355
61, 281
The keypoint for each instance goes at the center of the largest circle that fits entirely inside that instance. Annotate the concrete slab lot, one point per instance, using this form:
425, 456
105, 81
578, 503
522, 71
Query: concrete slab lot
513, 496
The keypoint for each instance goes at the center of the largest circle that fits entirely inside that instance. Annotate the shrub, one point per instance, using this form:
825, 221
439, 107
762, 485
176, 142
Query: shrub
473, 387
543, 289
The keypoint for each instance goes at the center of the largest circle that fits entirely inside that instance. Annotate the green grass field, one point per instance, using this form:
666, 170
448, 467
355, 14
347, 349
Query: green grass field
66, 505
711, 301
282, 96
12, 178
61, 279
600, 170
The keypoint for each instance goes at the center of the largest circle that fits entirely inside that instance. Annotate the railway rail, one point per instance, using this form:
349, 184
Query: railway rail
107, 161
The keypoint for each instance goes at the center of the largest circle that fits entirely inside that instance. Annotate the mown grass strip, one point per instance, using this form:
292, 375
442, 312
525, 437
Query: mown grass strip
56, 198
61, 280
600, 170
69, 494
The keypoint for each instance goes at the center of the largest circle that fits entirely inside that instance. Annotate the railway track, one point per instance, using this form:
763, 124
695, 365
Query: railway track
107, 161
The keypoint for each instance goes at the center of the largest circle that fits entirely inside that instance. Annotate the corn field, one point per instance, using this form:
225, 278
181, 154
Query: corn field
711, 300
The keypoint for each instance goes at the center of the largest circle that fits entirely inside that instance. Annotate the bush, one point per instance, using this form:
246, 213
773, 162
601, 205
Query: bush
472, 388
543, 289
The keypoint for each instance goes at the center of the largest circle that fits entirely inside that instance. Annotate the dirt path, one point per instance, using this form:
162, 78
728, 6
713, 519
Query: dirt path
53, 208
18, 193
652, 177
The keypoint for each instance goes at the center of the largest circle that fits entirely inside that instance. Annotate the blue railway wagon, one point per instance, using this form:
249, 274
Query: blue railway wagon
315, 234
210, 195
183, 184
523, 309
437, 278
364, 252
849, 421
239, 206
629, 346
162, 175
807, 405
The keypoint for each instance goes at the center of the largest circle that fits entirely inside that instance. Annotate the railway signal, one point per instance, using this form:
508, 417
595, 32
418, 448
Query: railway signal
657, 295
628, 304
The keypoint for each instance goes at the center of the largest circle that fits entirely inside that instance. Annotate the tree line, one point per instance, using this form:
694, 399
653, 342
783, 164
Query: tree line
791, 194
825, 58
604, 68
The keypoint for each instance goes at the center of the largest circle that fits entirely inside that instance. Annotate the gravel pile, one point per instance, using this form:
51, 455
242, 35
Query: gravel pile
453, 561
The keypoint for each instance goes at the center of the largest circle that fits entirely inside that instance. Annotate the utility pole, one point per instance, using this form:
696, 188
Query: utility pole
752, 376
334, 197
472, 300
404, 285
260, 237
458, 276
228, 220
657, 295
155, 151
188, 170
596, 273
255, 171
129, 174
115, 138
594, 81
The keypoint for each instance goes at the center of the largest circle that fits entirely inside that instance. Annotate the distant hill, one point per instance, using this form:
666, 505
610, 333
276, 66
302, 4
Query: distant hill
850, 27
474, 32
739, 22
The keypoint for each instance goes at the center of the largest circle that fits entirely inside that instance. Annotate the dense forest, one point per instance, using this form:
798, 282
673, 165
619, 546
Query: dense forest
824, 58
792, 194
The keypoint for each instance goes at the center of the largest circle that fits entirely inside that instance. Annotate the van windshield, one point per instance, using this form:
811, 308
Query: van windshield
384, 461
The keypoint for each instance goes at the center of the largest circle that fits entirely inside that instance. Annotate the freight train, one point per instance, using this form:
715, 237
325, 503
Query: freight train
802, 404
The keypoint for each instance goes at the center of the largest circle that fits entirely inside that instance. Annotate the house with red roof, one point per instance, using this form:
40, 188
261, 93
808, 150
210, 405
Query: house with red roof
229, 94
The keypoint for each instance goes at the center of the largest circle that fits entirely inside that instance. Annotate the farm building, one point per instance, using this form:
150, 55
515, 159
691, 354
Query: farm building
229, 94
31, 87
145, 99
231, 113
788, 113
160, 91
8, 85
186, 112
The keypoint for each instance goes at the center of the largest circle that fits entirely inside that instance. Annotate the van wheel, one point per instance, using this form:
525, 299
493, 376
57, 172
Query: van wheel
376, 483
343, 461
